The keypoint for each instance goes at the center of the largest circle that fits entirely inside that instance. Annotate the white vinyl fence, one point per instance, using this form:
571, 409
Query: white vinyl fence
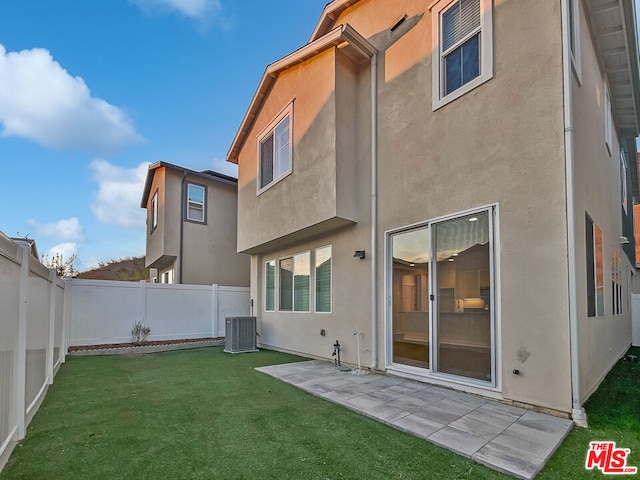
104, 312
41, 315
635, 320
31, 338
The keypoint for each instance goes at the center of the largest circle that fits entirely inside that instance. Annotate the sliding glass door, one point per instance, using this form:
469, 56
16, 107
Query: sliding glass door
442, 296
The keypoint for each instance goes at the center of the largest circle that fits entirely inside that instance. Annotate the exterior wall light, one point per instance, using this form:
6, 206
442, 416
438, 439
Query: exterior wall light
359, 254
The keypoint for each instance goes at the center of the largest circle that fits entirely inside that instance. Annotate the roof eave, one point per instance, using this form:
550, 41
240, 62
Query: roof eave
335, 38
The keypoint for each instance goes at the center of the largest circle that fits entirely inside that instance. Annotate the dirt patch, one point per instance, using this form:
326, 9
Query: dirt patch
152, 343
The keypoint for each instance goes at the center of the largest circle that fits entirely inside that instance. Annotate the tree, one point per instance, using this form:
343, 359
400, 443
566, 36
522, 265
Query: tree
64, 268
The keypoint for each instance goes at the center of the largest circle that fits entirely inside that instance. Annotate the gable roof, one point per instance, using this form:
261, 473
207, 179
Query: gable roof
329, 15
344, 37
205, 174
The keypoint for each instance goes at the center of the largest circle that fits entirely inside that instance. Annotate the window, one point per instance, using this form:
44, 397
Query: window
154, 211
462, 30
616, 282
608, 120
270, 286
623, 180
573, 21
323, 279
274, 150
595, 272
294, 283
195, 203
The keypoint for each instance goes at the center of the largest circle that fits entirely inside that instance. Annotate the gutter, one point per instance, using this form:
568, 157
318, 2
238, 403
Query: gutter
374, 211
183, 205
577, 411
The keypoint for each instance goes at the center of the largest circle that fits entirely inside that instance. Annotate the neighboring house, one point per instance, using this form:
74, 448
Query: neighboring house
451, 179
191, 227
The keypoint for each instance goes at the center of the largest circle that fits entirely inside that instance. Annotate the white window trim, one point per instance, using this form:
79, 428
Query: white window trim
315, 293
293, 299
576, 63
286, 111
608, 120
154, 211
486, 52
204, 203
275, 288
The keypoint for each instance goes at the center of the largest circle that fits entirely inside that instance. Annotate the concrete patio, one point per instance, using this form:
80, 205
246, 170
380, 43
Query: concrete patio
512, 440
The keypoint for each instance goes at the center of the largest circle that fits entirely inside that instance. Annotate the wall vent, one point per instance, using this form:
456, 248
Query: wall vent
240, 334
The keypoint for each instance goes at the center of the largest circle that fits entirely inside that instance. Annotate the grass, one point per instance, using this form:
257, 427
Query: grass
202, 414
614, 414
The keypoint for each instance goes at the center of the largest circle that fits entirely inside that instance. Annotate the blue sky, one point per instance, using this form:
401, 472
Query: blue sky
91, 92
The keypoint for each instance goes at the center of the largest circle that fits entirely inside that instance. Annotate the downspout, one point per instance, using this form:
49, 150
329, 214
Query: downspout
374, 211
577, 411
183, 206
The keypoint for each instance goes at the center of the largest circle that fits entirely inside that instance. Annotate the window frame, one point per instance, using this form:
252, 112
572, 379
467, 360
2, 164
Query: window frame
287, 111
573, 33
623, 181
315, 280
485, 31
154, 211
189, 202
608, 120
592, 252
293, 290
268, 262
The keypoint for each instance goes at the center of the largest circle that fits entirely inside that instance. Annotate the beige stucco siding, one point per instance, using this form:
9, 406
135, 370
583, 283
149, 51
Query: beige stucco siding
602, 339
209, 250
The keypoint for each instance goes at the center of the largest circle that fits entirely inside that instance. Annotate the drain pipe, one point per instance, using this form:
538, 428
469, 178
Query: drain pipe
183, 206
374, 210
577, 411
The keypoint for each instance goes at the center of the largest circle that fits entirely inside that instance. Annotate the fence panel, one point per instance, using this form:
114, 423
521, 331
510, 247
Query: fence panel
38, 315
58, 353
232, 302
9, 326
178, 311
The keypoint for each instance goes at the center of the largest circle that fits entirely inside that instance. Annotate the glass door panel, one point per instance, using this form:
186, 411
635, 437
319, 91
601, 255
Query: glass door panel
410, 290
463, 281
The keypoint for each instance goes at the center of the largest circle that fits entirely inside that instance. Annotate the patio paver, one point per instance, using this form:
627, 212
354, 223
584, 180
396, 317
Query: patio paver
506, 438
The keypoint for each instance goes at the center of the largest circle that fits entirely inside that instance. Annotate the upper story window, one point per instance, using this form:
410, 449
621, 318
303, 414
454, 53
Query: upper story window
462, 32
154, 211
274, 150
573, 31
608, 120
195, 203
623, 180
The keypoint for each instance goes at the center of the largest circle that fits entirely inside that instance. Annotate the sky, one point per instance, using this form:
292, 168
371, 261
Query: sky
93, 92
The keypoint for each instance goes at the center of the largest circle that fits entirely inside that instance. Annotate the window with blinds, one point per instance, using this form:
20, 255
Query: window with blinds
462, 30
323, 279
461, 44
274, 150
270, 286
294, 283
195, 202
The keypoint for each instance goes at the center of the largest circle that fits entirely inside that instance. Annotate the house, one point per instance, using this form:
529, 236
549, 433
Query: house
449, 182
191, 227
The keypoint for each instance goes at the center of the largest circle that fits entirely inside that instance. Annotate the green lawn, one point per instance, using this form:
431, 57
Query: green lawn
202, 414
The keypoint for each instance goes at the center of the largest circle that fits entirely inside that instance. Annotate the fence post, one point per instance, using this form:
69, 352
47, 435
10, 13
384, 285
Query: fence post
52, 324
21, 363
143, 302
214, 310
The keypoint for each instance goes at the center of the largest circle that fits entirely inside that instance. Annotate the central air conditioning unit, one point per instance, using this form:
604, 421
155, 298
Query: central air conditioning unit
240, 334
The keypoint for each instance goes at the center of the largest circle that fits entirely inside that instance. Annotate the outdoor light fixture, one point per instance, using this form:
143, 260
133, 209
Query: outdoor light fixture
359, 254
624, 240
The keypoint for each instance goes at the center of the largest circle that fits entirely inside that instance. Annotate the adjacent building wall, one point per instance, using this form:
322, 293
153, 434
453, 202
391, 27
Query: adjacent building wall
602, 339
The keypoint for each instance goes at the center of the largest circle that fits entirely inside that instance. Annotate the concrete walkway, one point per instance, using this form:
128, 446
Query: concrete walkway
509, 439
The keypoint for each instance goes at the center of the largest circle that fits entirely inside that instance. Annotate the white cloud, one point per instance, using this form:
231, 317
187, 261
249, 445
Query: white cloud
41, 101
117, 201
189, 8
225, 167
68, 230
67, 250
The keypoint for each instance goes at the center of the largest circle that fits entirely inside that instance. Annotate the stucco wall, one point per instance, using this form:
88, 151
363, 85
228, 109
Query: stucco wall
500, 144
602, 339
